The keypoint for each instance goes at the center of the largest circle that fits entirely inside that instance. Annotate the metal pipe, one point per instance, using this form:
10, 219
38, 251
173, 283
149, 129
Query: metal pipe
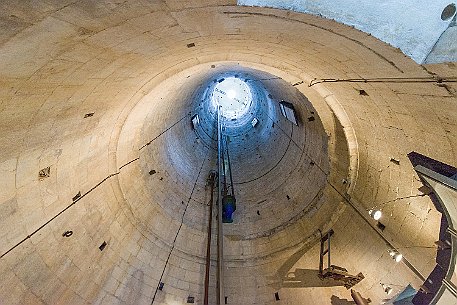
229, 167
211, 178
224, 168
328, 249
358, 298
220, 255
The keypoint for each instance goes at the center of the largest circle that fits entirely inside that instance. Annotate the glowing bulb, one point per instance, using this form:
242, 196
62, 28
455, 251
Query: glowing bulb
376, 214
396, 255
387, 289
231, 94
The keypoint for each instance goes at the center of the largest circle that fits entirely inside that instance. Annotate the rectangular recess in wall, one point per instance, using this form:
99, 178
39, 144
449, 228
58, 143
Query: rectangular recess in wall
191, 45
190, 299
77, 196
277, 296
45, 172
363, 92
102, 246
288, 111
195, 121
395, 161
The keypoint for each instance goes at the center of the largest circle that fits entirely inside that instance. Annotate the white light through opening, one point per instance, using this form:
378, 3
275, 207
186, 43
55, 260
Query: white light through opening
234, 96
231, 94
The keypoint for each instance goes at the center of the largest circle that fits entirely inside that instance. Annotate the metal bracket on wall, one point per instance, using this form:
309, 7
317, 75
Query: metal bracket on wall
332, 271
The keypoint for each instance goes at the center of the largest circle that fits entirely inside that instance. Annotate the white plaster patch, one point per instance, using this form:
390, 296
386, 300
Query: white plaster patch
414, 26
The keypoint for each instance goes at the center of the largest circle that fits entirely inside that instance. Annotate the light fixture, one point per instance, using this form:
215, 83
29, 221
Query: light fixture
395, 255
387, 289
375, 214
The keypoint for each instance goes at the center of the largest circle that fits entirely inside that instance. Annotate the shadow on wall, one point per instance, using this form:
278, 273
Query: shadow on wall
307, 278
337, 301
301, 278
281, 275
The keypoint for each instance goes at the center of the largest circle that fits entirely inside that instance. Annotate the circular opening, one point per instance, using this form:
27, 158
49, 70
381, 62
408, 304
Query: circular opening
234, 97
448, 12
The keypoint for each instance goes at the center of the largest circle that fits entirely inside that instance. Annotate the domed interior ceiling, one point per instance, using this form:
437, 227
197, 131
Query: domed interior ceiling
97, 101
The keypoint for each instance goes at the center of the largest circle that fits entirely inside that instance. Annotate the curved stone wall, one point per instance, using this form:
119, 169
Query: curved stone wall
133, 66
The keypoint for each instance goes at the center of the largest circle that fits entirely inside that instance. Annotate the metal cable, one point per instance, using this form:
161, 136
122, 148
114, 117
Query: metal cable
177, 232
89, 191
401, 80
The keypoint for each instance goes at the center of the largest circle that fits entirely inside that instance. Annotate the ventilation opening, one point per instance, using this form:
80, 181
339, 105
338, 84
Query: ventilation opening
363, 92
161, 286
77, 196
102, 246
195, 121
277, 296
448, 12
45, 172
395, 161
288, 111
67, 233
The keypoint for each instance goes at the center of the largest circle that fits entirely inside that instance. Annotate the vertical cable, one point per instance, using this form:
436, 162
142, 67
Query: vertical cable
220, 246
177, 232
229, 167
211, 178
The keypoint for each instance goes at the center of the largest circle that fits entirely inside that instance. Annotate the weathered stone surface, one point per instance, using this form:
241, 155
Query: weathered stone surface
129, 64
